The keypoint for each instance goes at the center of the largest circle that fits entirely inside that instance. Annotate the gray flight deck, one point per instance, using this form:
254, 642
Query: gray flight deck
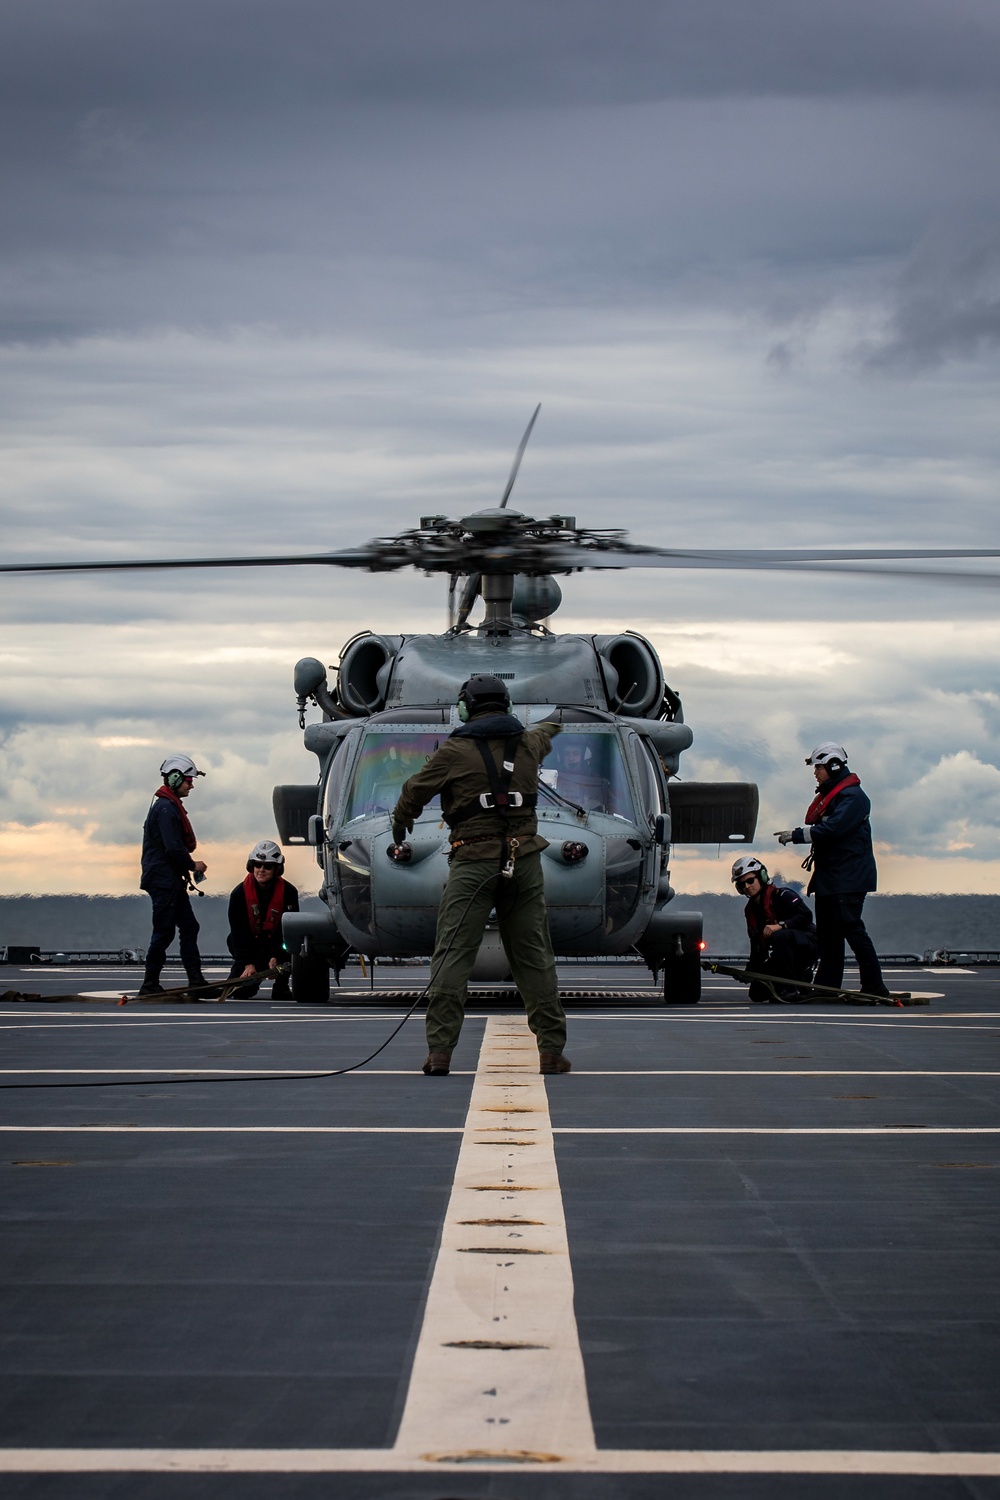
800, 1253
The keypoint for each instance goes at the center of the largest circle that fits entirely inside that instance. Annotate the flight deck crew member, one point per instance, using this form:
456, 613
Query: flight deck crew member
168, 863
487, 775
781, 931
842, 861
256, 908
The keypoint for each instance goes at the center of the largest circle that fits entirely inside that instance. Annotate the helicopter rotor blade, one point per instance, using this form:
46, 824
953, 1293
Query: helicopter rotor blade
519, 455
354, 558
858, 561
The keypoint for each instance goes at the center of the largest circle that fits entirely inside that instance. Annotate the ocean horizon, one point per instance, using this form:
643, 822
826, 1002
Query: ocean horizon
897, 923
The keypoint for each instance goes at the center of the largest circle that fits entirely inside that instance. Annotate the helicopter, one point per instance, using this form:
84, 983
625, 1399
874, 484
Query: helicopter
611, 802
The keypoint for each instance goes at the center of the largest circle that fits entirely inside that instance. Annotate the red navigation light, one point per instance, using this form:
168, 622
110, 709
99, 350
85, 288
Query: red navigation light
572, 853
702, 946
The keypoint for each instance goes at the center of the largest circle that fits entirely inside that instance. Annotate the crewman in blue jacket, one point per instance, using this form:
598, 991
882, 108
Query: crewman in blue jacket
843, 869
781, 932
168, 864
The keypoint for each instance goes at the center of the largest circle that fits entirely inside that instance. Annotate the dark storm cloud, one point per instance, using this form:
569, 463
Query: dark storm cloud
408, 166
946, 302
257, 55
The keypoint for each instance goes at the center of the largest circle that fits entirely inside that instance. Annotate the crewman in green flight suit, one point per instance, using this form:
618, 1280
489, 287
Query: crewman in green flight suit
487, 774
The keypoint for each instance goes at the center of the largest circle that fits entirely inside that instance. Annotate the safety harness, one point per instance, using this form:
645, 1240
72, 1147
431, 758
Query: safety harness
499, 799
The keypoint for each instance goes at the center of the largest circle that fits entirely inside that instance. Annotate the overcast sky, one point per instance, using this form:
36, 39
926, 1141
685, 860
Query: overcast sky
294, 274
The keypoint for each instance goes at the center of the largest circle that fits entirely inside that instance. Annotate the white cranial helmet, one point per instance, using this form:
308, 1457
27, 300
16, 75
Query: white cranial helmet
266, 852
747, 865
182, 763
825, 755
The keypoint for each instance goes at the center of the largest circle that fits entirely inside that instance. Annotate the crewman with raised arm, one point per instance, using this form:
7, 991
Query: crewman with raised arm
842, 861
487, 775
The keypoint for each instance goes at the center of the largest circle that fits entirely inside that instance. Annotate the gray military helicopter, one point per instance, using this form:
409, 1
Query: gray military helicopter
611, 804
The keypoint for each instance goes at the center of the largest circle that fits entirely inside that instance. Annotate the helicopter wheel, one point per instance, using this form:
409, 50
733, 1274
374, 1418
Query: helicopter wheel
682, 980
310, 979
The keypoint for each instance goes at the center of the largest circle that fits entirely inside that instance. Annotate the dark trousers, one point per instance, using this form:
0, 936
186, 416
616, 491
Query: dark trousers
838, 920
260, 958
788, 955
172, 913
473, 889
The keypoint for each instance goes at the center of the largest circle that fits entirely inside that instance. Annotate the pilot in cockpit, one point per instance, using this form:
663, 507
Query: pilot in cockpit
577, 777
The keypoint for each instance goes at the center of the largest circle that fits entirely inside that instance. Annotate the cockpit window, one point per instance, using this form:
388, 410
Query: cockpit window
587, 769
388, 757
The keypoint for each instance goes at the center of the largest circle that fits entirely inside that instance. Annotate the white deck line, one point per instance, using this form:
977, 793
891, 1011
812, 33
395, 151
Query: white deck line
601, 1461
577, 1072
168, 1073
536, 1132
507, 1282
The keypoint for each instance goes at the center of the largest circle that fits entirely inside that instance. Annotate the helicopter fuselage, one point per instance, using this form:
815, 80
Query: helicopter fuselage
604, 797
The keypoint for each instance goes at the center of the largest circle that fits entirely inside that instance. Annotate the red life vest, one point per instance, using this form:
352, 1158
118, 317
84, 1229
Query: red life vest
190, 842
822, 800
263, 923
760, 913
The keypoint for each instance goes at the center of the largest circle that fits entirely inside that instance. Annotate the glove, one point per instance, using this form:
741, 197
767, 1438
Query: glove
400, 827
786, 836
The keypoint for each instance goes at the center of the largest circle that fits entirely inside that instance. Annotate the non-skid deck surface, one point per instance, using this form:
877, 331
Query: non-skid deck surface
750, 1248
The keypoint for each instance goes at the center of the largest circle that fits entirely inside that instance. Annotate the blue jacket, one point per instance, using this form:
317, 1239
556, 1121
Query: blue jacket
843, 859
165, 856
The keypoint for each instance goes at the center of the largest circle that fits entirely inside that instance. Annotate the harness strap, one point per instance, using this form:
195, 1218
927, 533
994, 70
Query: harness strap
499, 799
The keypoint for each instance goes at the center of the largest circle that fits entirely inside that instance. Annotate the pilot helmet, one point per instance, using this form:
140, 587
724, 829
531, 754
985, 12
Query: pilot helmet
834, 757
178, 768
482, 691
748, 865
266, 852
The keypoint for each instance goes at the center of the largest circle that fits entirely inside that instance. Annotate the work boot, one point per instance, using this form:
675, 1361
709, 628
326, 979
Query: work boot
437, 1064
281, 989
553, 1062
149, 987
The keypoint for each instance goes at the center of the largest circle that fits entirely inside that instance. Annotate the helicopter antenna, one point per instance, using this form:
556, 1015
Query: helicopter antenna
519, 455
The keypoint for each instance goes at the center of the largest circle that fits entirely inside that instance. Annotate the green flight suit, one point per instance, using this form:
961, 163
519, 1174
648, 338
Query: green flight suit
475, 884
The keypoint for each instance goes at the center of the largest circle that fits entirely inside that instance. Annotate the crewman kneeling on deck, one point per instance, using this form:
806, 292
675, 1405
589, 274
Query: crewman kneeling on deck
781, 930
487, 775
256, 908
838, 828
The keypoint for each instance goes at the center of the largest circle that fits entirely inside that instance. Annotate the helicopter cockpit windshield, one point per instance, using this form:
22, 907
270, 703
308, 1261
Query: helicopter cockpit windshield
388, 757
586, 768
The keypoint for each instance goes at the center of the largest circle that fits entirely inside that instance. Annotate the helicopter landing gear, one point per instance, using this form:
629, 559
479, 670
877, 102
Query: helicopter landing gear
310, 979
682, 979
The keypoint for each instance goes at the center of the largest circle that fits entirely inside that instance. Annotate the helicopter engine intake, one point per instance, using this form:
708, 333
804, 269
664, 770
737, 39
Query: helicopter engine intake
365, 667
633, 674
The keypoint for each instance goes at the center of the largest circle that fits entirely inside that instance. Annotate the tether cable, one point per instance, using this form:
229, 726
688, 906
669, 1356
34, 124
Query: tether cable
126, 1083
